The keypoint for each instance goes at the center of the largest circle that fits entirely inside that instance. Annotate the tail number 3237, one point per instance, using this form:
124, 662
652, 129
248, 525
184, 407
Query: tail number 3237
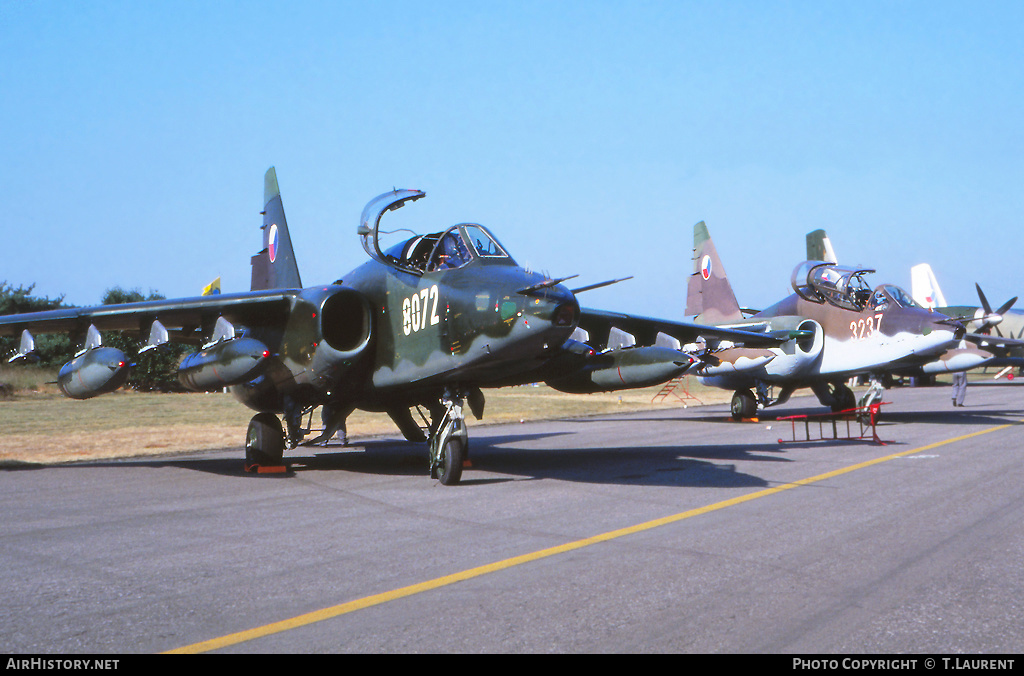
420, 310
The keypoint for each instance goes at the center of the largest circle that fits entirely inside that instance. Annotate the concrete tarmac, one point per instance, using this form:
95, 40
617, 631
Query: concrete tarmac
665, 531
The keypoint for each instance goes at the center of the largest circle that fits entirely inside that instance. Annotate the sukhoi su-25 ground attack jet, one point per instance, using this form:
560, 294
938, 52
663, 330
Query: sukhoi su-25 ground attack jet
845, 329
424, 324
993, 338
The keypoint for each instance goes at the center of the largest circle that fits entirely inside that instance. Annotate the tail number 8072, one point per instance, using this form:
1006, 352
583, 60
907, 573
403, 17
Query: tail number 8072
415, 309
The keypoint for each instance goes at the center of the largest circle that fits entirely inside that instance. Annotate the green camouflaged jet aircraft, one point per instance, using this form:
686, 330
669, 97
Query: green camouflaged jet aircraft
425, 323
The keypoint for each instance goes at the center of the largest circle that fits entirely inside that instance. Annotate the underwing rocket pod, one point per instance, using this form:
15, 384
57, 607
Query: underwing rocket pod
223, 364
94, 372
624, 369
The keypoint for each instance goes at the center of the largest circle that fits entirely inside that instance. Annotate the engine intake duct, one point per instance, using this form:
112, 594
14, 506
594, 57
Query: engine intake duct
344, 328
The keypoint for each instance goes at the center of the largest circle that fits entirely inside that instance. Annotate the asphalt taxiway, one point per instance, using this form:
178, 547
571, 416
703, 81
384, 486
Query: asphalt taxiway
671, 530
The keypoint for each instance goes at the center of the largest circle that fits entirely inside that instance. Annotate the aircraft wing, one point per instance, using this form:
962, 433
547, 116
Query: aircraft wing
601, 324
996, 344
191, 318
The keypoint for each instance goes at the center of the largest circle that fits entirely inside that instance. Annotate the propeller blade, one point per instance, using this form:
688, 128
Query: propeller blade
1006, 306
997, 316
984, 301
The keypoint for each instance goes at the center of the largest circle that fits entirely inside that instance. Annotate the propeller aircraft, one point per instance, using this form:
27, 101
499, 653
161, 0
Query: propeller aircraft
1004, 321
842, 328
423, 324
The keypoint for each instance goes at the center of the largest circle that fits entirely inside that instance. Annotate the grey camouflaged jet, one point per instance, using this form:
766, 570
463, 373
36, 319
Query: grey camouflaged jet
846, 328
995, 338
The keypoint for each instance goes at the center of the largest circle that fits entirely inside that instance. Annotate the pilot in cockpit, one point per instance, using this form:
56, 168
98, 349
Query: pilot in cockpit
451, 252
861, 296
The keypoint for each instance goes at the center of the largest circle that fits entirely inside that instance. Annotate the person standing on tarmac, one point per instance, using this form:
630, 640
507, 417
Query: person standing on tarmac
959, 388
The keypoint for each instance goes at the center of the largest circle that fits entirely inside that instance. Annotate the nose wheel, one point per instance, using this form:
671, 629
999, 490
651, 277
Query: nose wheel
449, 466
449, 442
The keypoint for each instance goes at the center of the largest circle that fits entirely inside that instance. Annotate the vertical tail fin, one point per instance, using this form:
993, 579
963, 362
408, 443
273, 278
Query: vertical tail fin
274, 267
925, 288
709, 294
819, 247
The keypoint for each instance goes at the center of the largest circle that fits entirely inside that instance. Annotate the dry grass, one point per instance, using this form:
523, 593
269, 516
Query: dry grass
43, 427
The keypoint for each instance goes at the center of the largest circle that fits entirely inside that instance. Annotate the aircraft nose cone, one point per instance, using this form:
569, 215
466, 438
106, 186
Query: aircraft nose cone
559, 307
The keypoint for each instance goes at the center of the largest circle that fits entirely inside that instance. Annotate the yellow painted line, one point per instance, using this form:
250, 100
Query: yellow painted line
436, 583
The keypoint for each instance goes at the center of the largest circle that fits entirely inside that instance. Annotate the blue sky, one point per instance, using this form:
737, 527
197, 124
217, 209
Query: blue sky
588, 136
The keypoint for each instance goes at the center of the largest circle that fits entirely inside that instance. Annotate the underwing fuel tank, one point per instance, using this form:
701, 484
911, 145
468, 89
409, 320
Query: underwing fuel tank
223, 364
625, 369
960, 359
94, 372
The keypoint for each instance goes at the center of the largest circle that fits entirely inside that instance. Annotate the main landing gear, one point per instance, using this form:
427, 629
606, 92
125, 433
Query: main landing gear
745, 402
447, 436
744, 405
843, 398
264, 442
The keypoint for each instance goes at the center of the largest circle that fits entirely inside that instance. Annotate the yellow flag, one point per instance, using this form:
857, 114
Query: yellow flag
212, 288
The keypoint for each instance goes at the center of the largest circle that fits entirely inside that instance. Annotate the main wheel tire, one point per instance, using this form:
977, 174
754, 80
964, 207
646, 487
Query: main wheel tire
843, 399
264, 441
452, 457
744, 405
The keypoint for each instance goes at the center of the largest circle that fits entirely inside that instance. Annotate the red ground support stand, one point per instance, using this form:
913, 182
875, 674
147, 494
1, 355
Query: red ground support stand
670, 389
866, 418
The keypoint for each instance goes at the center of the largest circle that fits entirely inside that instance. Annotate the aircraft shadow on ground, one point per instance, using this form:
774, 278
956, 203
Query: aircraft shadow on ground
678, 465
704, 466
968, 414
954, 416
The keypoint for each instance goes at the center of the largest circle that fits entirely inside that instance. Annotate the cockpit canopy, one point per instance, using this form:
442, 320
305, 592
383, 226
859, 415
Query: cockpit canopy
457, 246
453, 248
839, 285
